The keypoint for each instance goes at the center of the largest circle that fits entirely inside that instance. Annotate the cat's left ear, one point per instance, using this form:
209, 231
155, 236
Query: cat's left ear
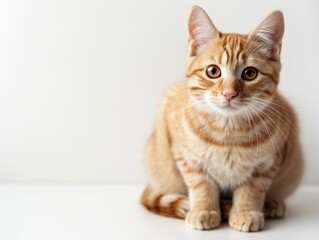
268, 35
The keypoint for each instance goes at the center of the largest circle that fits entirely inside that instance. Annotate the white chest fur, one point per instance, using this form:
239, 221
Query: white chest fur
229, 166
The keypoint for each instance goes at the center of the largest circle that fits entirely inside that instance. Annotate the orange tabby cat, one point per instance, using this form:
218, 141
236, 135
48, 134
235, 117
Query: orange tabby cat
225, 132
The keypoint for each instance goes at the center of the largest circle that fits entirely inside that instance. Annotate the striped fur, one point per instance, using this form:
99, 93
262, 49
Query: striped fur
205, 148
169, 205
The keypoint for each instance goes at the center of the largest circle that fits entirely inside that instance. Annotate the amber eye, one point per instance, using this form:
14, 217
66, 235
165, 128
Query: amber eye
213, 71
249, 73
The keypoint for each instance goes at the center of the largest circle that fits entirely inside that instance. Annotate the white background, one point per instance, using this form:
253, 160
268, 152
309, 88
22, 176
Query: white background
80, 80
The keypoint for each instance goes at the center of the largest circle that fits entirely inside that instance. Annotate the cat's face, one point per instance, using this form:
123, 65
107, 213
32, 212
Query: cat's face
232, 73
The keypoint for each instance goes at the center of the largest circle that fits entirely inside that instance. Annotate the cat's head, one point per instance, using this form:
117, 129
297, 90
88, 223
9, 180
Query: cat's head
232, 73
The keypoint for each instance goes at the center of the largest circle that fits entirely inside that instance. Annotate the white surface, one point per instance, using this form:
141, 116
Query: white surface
80, 80
38, 212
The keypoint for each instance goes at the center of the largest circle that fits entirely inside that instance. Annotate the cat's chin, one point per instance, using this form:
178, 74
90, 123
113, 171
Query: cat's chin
226, 109
229, 111
223, 108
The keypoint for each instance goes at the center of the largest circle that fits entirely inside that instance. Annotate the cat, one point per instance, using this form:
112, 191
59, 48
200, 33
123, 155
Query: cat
225, 132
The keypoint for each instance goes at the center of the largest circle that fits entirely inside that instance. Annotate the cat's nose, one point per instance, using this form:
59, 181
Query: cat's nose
229, 94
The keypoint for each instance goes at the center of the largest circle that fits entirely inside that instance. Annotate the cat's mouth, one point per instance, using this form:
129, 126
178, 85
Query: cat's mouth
228, 105
222, 106
232, 107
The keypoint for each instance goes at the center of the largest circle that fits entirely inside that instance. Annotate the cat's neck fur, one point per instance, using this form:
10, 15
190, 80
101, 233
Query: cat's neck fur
231, 122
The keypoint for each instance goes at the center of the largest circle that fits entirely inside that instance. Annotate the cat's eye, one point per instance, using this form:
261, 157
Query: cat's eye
213, 71
249, 73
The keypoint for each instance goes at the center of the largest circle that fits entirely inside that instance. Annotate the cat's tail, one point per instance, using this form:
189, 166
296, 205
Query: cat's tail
173, 204
169, 205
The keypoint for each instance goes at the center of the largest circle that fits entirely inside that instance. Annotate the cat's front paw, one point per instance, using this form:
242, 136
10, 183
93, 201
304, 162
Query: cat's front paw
250, 221
203, 219
274, 208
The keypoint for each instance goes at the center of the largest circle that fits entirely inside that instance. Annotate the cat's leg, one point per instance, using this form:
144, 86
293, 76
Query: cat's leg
166, 193
203, 195
246, 213
283, 185
274, 208
286, 180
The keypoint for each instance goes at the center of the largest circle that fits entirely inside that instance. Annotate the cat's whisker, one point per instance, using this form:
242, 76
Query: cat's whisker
275, 112
274, 126
267, 129
285, 137
271, 103
257, 136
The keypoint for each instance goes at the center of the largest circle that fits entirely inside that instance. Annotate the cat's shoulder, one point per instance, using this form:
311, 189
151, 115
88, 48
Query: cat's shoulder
176, 91
284, 106
283, 101
175, 96
177, 88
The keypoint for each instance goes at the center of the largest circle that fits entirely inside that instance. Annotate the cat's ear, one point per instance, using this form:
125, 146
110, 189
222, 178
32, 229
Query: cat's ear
201, 31
268, 35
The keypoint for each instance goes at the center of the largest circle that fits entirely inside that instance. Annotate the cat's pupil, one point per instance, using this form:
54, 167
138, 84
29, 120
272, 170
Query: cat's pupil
249, 73
214, 70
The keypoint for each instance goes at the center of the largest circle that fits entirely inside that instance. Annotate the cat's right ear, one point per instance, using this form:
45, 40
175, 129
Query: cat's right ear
267, 37
201, 31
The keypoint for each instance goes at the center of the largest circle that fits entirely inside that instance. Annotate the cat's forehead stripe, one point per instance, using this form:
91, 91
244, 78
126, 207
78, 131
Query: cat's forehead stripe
232, 47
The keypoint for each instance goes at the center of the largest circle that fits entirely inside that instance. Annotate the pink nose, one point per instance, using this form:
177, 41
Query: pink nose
229, 95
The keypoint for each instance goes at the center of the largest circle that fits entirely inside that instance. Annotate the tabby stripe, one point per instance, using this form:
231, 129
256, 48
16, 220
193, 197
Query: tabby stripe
194, 177
196, 89
238, 53
175, 206
188, 74
183, 166
220, 57
228, 56
179, 159
198, 185
204, 82
258, 85
267, 175
241, 46
255, 122
244, 58
193, 171
200, 132
260, 187
156, 203
267, 92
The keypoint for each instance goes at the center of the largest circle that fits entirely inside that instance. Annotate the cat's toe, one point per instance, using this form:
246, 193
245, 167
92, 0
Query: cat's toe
203, 219
250, 221
275, 208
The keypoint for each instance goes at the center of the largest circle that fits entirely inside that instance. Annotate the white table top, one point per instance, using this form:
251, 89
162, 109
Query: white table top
97, 211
